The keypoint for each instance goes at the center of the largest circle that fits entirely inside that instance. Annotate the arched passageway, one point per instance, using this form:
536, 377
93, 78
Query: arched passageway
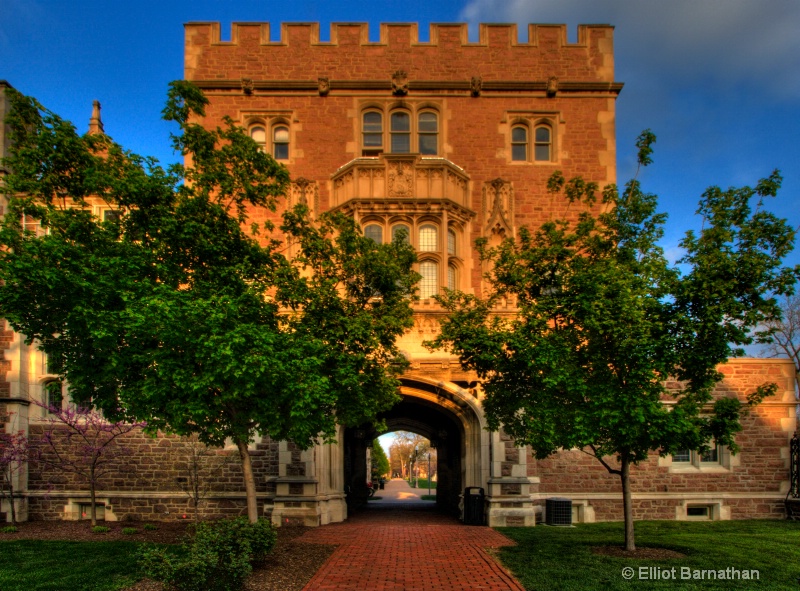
441, 413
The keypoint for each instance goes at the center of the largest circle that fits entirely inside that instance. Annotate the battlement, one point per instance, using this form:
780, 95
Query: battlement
394, 34
349, 53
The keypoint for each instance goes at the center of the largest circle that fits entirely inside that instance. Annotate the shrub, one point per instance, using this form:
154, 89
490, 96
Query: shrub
128, 531
101, 529
149, 527
10, 529
218, 558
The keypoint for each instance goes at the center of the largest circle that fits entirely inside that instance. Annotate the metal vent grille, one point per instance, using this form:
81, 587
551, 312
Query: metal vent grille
558, 511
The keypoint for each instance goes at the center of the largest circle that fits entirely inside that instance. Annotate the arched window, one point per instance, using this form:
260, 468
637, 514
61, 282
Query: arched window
259, 135
429, 283
542, 144
451, 242
519, 143
428, 241
374, 232
428, 132
280, 142
401, 229
372, 133
53, 396
452, 276
401, 132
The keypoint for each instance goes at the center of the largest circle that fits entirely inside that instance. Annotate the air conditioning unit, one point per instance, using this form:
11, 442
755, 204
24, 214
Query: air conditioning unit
558, 511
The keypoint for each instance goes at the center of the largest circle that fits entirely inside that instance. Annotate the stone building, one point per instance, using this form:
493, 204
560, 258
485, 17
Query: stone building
449, 140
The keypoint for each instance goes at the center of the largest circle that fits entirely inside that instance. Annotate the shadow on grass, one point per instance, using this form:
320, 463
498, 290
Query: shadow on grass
723, 553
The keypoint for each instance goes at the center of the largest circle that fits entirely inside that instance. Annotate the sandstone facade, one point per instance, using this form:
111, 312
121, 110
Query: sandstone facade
452, 140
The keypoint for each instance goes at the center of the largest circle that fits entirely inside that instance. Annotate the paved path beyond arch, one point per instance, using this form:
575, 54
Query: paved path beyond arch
408, 549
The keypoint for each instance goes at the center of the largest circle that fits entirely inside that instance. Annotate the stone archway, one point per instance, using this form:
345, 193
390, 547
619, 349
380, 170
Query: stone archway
445, 414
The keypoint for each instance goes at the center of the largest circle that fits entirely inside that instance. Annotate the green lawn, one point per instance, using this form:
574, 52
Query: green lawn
560, 559
423, 483
30, 565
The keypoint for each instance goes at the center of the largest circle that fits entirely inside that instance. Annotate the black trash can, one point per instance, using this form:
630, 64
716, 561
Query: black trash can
473, 505
382, 482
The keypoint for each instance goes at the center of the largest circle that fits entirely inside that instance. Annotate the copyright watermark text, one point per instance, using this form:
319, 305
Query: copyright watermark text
686, 573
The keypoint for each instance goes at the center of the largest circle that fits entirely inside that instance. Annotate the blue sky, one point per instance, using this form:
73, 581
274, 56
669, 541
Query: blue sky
718, 81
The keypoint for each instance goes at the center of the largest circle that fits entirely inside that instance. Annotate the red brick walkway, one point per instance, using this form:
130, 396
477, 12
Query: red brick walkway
408, 551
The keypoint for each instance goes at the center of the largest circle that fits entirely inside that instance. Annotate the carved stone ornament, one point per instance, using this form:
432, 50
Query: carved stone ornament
324, 86
552, 86
306, 192
476, 85
400, 83
247, 85
401, 179
498, 208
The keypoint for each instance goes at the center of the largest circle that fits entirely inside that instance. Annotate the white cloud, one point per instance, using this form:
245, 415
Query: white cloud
726, 42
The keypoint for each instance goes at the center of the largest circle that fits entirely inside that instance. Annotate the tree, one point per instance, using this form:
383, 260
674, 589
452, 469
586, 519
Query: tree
380, 463
201, 463
407, 447
782, 336
82, 442
180, 309
14, 452
603, 320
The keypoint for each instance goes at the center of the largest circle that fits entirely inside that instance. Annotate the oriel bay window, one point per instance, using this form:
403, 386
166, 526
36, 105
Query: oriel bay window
429, 283
438, 264
374, 232
428, 239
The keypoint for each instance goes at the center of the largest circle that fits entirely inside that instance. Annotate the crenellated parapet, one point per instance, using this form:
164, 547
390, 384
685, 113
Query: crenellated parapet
545, 58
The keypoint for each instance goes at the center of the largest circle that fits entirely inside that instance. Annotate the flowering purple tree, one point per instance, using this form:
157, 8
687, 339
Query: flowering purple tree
81, 441
14, 452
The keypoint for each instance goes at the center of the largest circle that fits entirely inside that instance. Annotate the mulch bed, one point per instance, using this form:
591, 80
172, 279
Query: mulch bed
639, 553
81, 531
289, 566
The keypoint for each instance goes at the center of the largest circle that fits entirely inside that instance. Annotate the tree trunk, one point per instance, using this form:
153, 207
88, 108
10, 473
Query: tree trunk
93, 507
627, 504
249, 481
11, 502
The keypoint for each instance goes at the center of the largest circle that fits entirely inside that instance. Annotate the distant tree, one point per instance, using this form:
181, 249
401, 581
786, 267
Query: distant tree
380, 463
181, 310
199, 465
407, 447
604, 320
14, 452
782, 336
81, 441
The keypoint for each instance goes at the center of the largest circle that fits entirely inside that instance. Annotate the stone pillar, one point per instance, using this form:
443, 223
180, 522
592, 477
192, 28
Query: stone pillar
16, 410
308, 488
509, 496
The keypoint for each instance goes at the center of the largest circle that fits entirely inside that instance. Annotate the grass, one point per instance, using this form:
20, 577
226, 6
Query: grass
423, 483
428, 497
560, 559
77, 566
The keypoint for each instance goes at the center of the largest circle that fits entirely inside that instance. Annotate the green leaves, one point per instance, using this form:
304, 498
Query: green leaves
604, 320
175, 310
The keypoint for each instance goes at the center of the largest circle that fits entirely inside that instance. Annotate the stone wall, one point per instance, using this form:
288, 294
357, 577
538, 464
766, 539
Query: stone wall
252, 78
145, 482
747, 485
